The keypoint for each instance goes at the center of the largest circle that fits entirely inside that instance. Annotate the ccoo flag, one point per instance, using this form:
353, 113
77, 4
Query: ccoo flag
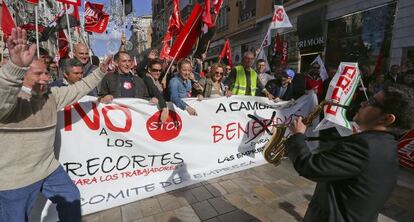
280, 18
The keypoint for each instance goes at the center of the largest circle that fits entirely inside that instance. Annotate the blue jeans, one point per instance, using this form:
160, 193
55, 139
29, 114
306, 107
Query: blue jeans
15, 205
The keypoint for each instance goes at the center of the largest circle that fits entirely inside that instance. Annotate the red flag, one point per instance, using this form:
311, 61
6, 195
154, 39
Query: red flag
208, 23
71, 2
226, 52
96, 19
164, 54
175, 24
217, 6
63, 45
7, 22
33, 1
278, 44
285, 51
185, 41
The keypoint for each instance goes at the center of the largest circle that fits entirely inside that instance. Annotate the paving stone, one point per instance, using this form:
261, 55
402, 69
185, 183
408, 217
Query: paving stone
201, 193
186, 214
168, 202
237, 215
96, 217
166, 216
147, 219
265, 193
150, 207
204, 210
113, 214
281, 187
221, 205
215, 189
214, 219
187, 197
230, 186
237, 200
131, 212
260, 211
403, 197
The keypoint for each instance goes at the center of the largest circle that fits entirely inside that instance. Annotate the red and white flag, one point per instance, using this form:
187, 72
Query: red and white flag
406, 150
189, 34
175, 24
165, 51
35, 2
217, 6
7, 21
285, 53
71, 2
267, 39
96, 20
278, 47
226, 53
207, 21
280, 19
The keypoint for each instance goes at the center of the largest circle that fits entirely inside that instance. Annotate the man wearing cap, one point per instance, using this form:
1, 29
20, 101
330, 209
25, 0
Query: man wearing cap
281, 88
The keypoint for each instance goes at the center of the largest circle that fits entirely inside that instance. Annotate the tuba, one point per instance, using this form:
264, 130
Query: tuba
274, 150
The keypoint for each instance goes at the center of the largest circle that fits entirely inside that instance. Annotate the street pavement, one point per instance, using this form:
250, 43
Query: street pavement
264, 193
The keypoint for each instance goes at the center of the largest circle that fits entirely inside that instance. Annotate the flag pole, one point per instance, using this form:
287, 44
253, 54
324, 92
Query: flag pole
164, 79
70, 38
37, 31
2, 45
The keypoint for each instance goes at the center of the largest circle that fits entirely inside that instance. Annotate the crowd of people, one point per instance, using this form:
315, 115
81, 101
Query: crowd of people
33, 90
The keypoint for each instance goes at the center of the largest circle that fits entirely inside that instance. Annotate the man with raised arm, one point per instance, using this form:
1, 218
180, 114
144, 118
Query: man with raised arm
27, 131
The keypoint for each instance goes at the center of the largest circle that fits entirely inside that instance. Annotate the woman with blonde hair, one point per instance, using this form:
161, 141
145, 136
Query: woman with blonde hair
212, 84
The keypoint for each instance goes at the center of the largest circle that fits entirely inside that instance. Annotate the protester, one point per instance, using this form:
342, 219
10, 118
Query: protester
243, 80
28, 166
356, 177
35, 74
180, 86
124, 84
281, 89
81, 53
408, 78
72, 73
143, 65
53, 70
394, 75
212, 84
313, 81
264, 77
151, 80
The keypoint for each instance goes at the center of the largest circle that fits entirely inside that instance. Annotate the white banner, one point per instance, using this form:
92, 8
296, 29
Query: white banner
120, 153
341, 90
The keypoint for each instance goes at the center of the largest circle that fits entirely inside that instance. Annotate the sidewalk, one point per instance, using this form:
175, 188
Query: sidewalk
264, 193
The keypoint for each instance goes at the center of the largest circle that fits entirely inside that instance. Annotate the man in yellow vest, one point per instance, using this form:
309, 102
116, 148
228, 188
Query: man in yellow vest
243, 80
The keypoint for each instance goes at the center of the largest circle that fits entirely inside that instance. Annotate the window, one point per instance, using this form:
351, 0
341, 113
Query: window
247, 9
363, 37
222, 20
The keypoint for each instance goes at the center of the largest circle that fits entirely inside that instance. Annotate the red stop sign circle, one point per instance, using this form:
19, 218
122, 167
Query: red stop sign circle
164, 131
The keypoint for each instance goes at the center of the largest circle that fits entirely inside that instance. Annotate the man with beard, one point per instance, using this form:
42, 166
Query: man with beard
356, 176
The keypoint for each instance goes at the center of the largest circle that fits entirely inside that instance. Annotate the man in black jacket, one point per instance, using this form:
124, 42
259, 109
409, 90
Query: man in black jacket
356, 177
124, 84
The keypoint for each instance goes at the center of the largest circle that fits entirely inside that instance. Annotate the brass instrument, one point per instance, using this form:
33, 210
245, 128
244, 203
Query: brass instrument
274, 150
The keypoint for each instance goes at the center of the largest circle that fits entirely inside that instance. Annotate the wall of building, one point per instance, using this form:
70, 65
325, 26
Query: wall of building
403, 35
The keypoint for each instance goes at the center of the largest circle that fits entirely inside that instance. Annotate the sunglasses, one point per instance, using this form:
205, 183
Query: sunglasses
156, 70
219, 73
373, 102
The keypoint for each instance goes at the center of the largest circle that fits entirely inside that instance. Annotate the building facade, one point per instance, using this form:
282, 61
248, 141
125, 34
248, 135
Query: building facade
141, 37
374, 33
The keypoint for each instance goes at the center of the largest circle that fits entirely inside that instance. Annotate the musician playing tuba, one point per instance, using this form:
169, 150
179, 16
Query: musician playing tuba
356, 177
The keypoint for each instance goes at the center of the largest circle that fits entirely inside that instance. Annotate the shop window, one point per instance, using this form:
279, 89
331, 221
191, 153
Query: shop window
363, 37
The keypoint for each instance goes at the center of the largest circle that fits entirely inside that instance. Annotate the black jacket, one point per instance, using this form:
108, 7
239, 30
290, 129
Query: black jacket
354, 178
273, 87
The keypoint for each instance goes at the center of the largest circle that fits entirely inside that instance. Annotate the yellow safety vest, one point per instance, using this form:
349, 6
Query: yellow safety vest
240, 85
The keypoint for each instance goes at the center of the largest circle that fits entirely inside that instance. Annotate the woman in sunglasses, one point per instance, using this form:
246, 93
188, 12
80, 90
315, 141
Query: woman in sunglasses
212, 84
